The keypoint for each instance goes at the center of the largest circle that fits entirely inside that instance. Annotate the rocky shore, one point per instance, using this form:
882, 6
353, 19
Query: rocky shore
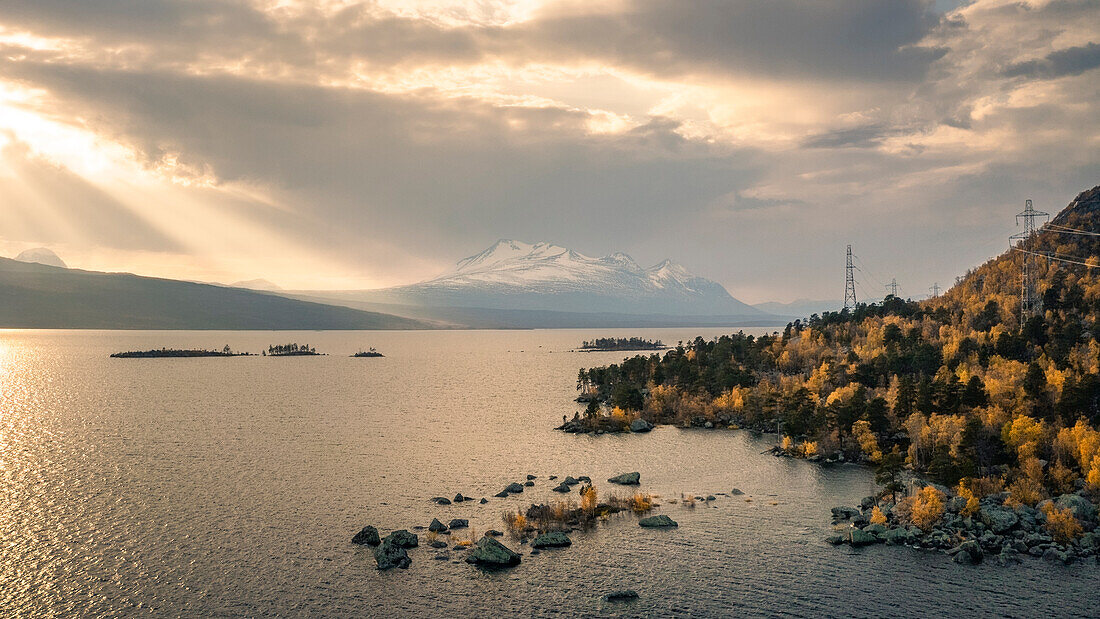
970, 533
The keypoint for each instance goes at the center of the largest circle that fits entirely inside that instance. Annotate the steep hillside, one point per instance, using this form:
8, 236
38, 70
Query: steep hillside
39, 296
956, 384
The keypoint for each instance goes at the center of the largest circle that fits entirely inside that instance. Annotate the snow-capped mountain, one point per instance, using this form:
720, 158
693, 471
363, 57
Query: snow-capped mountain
515, 275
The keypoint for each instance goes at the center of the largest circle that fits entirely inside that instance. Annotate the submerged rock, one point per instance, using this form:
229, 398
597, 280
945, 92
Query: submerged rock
659, 521
483, 501
553, 539
368, 536
438, 544
503, 494
621, 596
627, 479
531, 477
493, 533
491, 553
736, 492
528, 483
569, 481
459, 523
459, 498
514, 488
441, 500
561, 488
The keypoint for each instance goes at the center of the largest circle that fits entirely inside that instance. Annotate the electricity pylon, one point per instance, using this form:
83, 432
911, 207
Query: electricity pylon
1029, 301
849, 282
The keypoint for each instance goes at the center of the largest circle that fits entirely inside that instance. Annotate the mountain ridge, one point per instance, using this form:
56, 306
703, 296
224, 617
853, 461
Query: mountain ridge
36, 296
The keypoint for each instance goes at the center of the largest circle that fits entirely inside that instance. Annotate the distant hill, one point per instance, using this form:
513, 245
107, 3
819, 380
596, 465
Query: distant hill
256, 284
48, 297
518, 284
41, 255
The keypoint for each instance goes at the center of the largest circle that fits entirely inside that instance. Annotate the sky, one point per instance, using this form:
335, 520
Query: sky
344, 145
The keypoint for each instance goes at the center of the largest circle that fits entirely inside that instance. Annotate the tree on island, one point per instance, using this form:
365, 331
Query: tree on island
888, 473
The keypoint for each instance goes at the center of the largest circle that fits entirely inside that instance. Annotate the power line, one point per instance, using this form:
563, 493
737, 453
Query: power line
1053, 227
1052, 256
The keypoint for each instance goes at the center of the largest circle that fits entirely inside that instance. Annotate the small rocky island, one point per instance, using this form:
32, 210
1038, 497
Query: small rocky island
971, 529
369, 353
291, 350
173, 352
605, 344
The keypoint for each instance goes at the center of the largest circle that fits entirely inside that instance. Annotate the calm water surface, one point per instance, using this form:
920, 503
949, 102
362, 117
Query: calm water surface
231, 487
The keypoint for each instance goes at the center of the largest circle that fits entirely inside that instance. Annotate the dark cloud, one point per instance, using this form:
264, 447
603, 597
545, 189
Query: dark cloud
866, 136
874, 40
850, 39
1069, 61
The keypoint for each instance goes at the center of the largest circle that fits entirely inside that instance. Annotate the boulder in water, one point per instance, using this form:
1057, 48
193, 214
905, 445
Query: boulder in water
402, 539
459, 523
967, 553
659, 521
491, 553
859, 538
640, 425
627, 479
514, 488
553, 539
390, 555
437, 526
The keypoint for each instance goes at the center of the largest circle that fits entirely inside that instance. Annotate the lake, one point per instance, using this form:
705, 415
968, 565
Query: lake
232, 486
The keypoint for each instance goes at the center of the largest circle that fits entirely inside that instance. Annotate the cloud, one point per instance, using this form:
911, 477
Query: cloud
747, 139
1069, 61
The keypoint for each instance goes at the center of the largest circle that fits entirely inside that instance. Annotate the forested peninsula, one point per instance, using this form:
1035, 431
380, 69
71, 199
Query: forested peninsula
997, 409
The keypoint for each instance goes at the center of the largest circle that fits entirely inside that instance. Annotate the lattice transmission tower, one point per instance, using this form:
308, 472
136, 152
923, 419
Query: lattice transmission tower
849, 282
893, 286
1030, 302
